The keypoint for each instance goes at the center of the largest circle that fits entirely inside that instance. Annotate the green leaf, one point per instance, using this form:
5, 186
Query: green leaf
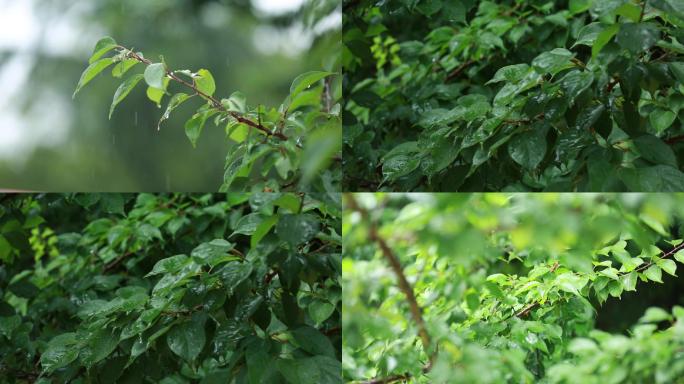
103, 46
213, 252
570, 282
677, 69
313, 341
93, 70
529, 148
60, 352
655, 150
297, 229
604, 38
262, 229
124, 89
205, 83
588, 34
194, 126
553, 62
235, 273
655, 315
124, 66
637, 37
674, 7
237, 102
237, 132
155, 95
248, 224
100, 344
320, 148
575, 82
169, 265
679, 256
512, 73
154, 75
630, 11
187, 339
305, 80
659, 178
661, 119
320, 310
175, 101
654, 273
629, 281
311, 370
668, 266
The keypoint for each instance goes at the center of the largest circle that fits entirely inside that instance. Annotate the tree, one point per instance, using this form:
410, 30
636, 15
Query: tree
277, 149
517, 95
512, 288
179, 288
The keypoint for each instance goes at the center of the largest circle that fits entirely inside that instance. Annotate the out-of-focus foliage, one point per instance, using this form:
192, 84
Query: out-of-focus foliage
516, 95
170, 288
72, 145
289, 147
510, 287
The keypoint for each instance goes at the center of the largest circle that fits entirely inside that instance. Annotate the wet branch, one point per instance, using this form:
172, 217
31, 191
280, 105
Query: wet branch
212, 100
404, 286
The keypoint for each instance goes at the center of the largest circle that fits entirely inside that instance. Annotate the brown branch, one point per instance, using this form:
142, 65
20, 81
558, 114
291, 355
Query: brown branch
665, 255
643, 10
456, 72
675, 139
404, 286
212, 100
117, 261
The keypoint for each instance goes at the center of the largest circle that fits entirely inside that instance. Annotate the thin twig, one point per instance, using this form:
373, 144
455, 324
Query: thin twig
212, 100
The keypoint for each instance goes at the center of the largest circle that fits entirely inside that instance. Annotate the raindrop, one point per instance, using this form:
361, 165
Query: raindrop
136, 119
168, 182
113, 140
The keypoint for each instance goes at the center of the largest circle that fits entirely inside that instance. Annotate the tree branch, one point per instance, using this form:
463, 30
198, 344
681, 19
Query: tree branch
212, 100
404, 286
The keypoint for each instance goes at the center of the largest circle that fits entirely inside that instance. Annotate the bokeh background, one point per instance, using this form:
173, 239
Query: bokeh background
50, 142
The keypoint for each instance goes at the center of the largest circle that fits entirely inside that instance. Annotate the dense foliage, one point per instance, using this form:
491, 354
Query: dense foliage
277, 148
170, 288
494, 288
516, 95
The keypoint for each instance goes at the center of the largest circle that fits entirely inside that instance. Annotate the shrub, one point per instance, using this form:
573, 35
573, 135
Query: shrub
490, 288
517, 95
169, 288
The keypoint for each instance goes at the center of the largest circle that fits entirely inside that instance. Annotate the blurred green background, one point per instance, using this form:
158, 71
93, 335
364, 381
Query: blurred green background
49, 142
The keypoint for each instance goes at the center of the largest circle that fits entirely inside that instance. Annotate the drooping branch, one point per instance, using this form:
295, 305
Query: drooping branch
212, 100
404, 286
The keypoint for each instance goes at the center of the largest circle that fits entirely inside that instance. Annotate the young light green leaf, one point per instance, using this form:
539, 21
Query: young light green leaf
124, 89
668, 266
204, 81
305, 80
654, 273
103, 46
123, 66
93, 70
155, 95
655, 315
154, 75
236, 103
679, 256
